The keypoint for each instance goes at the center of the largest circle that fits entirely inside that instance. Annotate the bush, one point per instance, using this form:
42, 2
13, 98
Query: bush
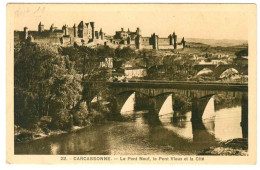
80, 114
61, 120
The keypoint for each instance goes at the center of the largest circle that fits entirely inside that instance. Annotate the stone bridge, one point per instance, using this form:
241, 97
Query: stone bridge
219, 69
158, 95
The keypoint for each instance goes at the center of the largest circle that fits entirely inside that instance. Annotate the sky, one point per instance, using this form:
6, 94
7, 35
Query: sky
215, 21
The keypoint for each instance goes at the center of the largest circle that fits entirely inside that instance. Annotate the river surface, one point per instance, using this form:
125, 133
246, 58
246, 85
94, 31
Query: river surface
141, 135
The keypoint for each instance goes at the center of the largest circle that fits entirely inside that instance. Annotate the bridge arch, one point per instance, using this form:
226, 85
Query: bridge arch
204, 71
209, 110
228, 72
167, 106
129, 104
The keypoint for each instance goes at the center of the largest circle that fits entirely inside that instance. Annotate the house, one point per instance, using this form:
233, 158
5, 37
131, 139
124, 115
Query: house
138, 72
107, 62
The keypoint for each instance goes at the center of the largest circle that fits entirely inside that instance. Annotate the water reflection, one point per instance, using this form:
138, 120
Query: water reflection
72, 143
143, 133
226, 125
202, 132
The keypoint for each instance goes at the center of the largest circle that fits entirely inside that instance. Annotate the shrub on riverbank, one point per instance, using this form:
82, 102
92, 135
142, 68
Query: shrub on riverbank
80, 114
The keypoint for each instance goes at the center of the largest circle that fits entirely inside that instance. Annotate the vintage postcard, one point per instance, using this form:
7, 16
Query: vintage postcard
131, 83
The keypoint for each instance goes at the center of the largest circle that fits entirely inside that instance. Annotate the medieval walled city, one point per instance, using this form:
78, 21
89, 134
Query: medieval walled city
87, 34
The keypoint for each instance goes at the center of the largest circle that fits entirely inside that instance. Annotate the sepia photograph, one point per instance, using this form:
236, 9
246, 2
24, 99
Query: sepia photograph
135, 83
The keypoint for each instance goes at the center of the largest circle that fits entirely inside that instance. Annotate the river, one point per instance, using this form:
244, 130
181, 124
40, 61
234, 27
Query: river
142, 135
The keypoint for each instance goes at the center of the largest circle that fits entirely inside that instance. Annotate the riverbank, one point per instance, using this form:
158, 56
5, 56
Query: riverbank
43, 128
236, 147
22, 135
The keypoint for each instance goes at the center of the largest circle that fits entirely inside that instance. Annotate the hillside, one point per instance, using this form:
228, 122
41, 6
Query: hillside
214, 42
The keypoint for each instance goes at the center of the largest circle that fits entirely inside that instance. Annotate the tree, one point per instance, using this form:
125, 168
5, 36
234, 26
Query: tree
242, 53
125, 54
46, 84
87, 63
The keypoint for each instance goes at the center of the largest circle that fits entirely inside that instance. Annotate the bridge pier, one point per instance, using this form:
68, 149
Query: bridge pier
244, 115
123, 102
201, 134
198, 107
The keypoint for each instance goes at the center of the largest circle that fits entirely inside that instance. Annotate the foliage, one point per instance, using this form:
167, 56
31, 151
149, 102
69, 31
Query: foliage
243, 52
124, 54
80, 114
46, 84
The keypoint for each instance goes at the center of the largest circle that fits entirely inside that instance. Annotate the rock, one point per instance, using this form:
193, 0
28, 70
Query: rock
23, 137
46, 119
236, 147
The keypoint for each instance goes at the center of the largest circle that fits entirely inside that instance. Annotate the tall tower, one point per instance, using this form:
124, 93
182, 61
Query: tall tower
52, 28
175, 40
75, 31
138, 31
101, 34
155, 41
92, 24
128, 40
138, 43
40, 27
183, 42
171, 39
81, 29
25, 33
65, 30
96, 35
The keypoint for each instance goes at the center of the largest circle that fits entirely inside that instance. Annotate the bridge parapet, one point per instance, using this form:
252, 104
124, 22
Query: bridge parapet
188, 89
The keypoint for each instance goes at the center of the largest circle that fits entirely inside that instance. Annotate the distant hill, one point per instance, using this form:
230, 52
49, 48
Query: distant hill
214, 42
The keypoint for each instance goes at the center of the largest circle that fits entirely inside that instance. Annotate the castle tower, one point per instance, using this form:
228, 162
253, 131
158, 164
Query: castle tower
183, 42
156, 45
40, 27
75, 30
174, 40
138, 43
101, 34
65, 30
155, 41
128, 40
25, 33
81, 29
92, 24
128, 30
52, 28
138, 31
96, 35
171, 39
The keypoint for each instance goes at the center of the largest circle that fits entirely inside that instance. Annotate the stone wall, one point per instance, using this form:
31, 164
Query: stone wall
145, 40
163, 41
166, 47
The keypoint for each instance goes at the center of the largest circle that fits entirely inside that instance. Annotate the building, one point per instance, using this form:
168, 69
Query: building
135, 72
137, 41
81, 33
212, 62
101, 62
86, 34
107, 62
